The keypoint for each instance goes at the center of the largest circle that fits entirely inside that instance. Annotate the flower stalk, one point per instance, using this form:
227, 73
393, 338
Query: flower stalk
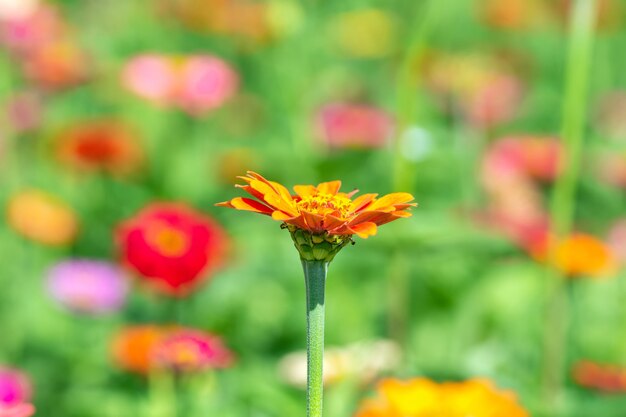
315, 281
579, 61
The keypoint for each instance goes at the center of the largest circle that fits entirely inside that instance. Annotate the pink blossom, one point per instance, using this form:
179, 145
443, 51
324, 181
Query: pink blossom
15, 393
196, 83
344, 125
495, 102
206, 83
150, 76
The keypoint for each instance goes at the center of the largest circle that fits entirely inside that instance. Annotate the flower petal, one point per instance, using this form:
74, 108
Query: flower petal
313, 221
332, 222
387, 202
305, 190
364, 230
247, 204
329, 187
361, 202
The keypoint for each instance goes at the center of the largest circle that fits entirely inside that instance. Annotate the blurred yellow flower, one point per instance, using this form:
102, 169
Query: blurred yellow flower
42, 217
366, 33
421, 397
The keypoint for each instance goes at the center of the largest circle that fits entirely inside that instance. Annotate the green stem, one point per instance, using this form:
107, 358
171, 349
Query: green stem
315, 278
581, 37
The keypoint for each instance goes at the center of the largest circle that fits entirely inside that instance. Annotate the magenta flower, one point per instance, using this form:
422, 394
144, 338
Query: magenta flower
87, 286
15, 394
343, 125
195, 84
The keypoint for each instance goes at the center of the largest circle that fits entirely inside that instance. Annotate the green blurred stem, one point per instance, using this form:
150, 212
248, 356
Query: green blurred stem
315, 279
581, 36
407, 104
162, 394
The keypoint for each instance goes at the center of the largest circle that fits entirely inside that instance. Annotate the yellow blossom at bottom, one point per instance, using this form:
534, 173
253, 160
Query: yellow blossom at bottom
421, 397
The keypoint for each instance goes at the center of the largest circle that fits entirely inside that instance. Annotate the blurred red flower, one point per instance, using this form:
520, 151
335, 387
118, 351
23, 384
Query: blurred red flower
104, 145
604, 378
172, 246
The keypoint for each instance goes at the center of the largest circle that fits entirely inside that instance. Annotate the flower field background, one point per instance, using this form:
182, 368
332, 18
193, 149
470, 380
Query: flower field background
125, 290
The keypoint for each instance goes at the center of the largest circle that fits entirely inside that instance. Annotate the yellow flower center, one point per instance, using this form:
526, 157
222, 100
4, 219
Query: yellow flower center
321, 203
168, 241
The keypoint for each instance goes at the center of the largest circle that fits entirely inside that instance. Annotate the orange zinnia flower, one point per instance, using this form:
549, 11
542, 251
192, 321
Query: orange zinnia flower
421, 397
321, 219
579, 255
42, 217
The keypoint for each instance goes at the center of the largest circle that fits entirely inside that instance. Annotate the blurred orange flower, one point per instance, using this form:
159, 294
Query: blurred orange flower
172, 246
57, 65
143, 348
241, 18
132, 347
421, 397
321, 209
100, 145
512, 14
579, 255
42, 217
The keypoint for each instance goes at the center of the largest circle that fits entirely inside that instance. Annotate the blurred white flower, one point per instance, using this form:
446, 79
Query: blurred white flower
363, 361
17, 9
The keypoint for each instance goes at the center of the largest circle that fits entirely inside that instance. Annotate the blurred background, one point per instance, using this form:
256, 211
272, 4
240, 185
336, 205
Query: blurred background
126, 292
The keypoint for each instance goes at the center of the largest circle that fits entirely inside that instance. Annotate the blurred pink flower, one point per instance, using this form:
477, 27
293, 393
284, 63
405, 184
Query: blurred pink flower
205, 83
187, 350
616, 239
611, 168
22, 33
19, 410
24, 111
195, 83
150, 76
485, 88
88, 286
510, 170
15, 393
535, 157
344, 125
610, 115
494, 102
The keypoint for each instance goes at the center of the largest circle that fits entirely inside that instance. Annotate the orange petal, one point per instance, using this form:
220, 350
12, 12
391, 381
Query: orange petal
364, 230
361, 201
369, 216
393, 216
329, 187
304, 190
313, 221
387, 202
250, 191
332, 222
279, 203
247, 204
298, 221
284, 192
